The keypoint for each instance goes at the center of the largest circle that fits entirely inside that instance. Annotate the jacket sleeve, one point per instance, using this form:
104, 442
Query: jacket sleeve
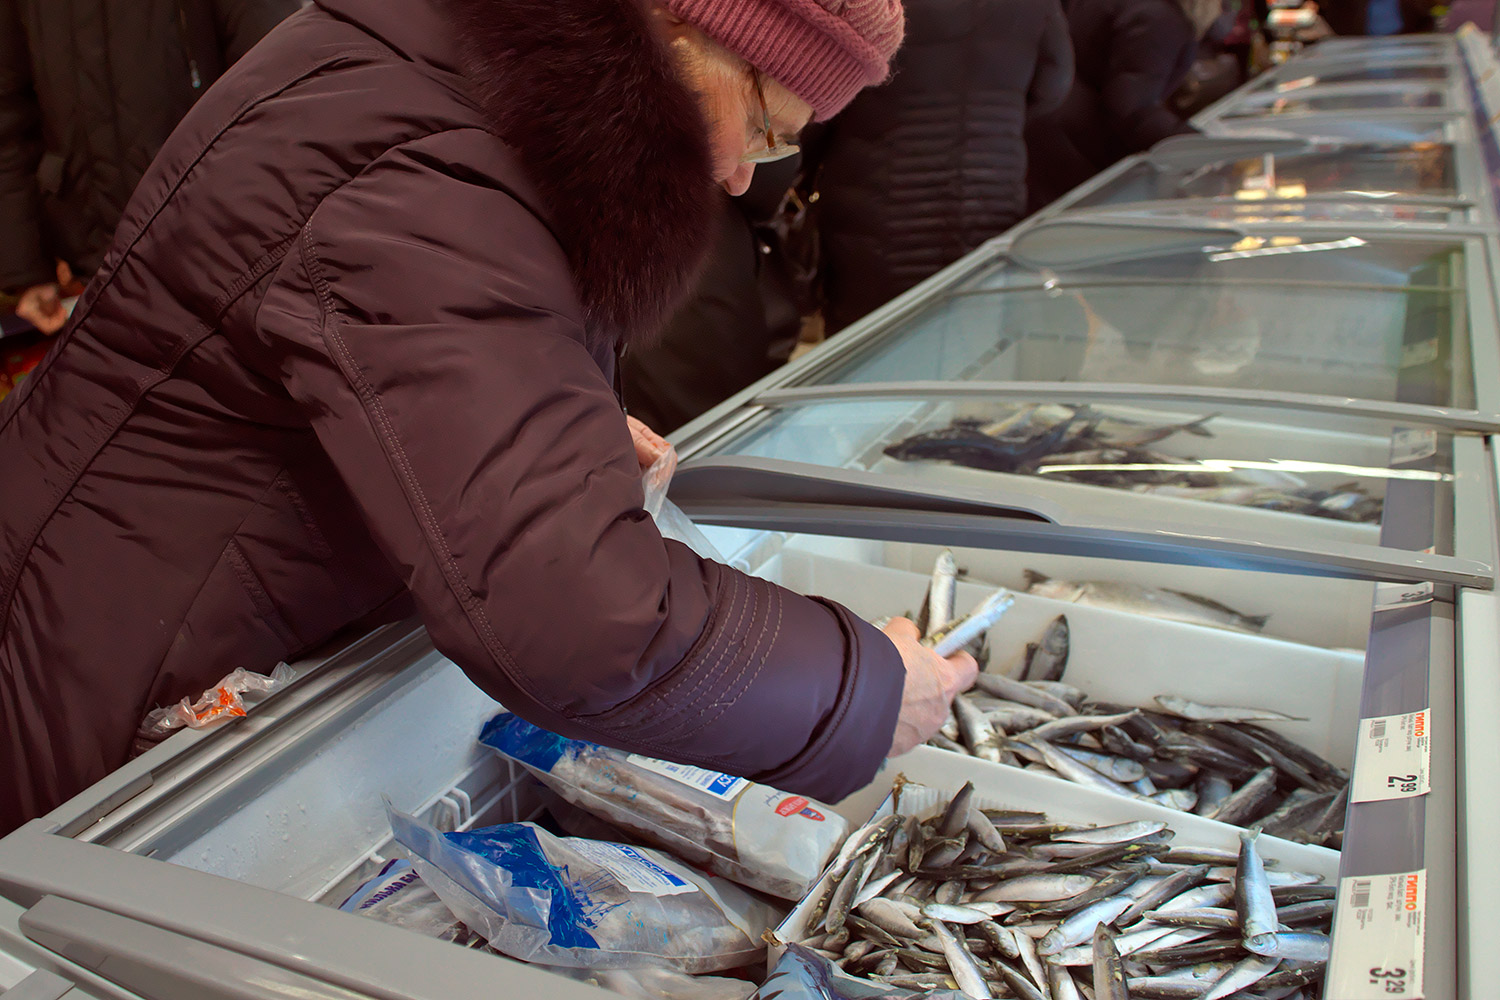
242, 23
23, 259
1145, 65
427, 323
1054, 62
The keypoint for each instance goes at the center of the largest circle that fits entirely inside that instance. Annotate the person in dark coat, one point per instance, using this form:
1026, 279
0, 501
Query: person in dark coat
352, 352
89, 91
737, 325
918, 172
1131, 55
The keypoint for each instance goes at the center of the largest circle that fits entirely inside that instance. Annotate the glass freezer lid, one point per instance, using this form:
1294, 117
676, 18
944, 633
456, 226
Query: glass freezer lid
1287, 478
1355, 71
1382, 320
1328, 99
1379, 180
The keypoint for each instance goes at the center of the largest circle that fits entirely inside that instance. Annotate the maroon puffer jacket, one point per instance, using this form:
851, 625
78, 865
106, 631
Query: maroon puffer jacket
349, 344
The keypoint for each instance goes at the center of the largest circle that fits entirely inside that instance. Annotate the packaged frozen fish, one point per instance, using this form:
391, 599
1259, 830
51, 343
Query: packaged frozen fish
757, 835
397, 895
591, 904
802, 974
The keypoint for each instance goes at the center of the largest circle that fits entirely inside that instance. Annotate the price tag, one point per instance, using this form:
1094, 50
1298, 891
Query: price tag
1389, 596
1420, 353
1378, 937
1412, 445
1391, 758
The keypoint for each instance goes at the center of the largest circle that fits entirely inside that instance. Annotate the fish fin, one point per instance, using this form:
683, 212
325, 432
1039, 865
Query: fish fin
1031, 649
1197, 426
1032, 578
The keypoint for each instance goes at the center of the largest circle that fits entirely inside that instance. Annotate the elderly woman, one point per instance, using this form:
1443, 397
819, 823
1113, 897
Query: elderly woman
353, 351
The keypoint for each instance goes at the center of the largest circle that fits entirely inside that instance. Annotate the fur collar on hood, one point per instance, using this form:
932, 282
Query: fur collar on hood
590, 99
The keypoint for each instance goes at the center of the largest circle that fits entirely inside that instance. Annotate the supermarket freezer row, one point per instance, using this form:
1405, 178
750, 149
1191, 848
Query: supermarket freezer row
1227, 409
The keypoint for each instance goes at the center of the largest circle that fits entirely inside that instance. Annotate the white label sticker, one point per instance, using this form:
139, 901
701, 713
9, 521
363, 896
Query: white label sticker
1412, 445
1392, 757
715, 783
633, 868
1389, 596
1378, 937
1422, 352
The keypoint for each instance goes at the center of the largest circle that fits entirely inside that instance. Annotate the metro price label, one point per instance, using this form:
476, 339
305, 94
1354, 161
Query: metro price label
1392, 758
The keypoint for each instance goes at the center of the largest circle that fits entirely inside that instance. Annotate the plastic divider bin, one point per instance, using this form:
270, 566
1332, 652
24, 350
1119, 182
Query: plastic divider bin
1009, 788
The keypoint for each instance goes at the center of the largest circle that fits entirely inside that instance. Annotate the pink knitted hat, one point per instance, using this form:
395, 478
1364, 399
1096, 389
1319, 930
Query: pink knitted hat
824, 51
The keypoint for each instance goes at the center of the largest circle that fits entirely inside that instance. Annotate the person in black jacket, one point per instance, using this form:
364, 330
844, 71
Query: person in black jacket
915, 174
89, 91
1131, 56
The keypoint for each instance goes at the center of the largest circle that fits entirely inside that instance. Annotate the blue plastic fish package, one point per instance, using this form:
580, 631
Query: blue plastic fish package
804, 975
587, 904
755, 834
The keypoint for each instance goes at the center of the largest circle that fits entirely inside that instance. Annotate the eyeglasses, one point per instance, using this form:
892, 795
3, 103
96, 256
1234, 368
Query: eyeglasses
776, 148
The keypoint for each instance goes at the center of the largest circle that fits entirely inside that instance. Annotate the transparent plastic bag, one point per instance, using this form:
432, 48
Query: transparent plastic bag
398, 896
757, 835
803, 975
670, 520
225, 700
661, 984
586, 903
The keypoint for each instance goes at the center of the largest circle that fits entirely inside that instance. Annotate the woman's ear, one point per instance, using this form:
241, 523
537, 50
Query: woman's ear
669, 25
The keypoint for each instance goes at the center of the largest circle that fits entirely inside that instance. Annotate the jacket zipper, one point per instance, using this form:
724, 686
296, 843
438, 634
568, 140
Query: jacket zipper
187, 46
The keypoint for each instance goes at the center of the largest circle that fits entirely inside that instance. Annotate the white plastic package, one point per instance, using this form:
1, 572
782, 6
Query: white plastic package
225, 700
755, 834
586, 903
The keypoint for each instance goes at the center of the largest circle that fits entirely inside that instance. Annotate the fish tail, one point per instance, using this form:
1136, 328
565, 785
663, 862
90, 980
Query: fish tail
1197, 426
1257, 622
1032, 578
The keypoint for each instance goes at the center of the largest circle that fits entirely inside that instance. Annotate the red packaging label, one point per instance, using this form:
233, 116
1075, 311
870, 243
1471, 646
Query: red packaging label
795, 804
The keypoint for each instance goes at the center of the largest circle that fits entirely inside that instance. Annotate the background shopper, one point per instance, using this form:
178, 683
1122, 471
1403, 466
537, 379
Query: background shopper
920, 171
1131, 55
89, 91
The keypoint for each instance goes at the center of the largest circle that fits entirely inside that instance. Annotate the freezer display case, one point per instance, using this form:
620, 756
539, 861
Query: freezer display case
1264, 180
1247, 463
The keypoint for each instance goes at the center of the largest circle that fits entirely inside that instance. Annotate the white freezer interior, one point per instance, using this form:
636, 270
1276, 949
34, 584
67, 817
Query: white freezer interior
317, 829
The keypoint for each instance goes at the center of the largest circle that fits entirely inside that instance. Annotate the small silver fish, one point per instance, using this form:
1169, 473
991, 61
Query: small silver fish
978, 732
943, 593
1186, 709
1019, 691
962, 963
1121, 769
1300, 946
1037, 889
957, 913
1252, 898
1049, 655
1109, 969
1080, 925
1154, 602
979, 621
1059, 728
1119, 833
1244, 975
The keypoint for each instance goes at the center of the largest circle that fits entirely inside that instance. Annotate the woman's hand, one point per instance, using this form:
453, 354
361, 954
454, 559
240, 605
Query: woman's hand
41, 306
931, 683
649, 445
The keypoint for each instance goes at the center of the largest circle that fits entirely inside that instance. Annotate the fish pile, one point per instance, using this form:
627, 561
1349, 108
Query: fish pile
1003, 902
1084, 445
1212, 760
